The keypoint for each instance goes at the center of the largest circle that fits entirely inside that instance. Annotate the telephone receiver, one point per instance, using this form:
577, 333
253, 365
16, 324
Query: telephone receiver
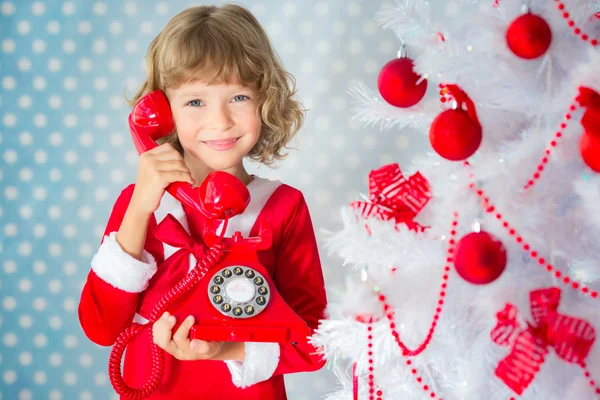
229, 293
220, 196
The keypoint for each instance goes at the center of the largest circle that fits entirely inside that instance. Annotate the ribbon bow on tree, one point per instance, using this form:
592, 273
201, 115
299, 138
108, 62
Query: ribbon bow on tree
392, 196
571, 338
591, 118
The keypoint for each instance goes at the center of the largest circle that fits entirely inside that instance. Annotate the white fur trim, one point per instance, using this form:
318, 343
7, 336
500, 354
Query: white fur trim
260, 362
119, 269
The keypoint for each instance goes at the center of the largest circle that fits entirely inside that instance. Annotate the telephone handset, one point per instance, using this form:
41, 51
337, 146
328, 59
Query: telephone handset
229, 292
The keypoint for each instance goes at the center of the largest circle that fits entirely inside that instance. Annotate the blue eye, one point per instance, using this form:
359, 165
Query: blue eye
195, 103
240, 97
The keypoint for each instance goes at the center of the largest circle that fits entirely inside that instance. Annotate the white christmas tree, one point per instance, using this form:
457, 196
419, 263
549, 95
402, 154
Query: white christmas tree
474, 272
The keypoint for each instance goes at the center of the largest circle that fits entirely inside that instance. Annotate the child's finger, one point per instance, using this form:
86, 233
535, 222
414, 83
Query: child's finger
161, 331
181, 336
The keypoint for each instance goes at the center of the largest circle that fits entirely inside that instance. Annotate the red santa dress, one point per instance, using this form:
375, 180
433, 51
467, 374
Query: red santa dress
121, 289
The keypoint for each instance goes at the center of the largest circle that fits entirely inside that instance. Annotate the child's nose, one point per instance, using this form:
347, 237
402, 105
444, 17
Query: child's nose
220, 118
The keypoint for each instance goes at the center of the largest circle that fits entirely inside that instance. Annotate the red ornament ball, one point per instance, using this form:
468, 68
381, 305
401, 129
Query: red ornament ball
479, 258
397, 83
589, 146
591, 122
454, 135
529, 36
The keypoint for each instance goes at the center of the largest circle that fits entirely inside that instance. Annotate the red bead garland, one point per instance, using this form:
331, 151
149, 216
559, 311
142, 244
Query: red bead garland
571, 23
371, 377
553, 143
491, 209
388, 309
588, 375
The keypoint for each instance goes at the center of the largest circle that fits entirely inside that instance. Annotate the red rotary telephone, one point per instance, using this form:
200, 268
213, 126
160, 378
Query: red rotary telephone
229, 293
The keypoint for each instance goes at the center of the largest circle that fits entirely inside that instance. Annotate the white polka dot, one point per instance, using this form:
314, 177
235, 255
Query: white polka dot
290, 47
9, 119
70, 120
25, 358
69, 46
101, 121
258, 9
84, 27
25, 285
100, 379
337, 179
23, 27
40, 157
70, 268
371, 66
9, 83
99, 8
40, 120
322, 9
10, 267
25, 321
10, 376
8, 45
323, 85
85, 360
85, 213
55, 359
369, 28
54, 102
322, 196
70, 305
130, 8
39, 46
386, 46
274, 28
39, 83
40, 267
70, 378
39, 230
26, 212
323, 46
8, 8
85, 395
10, 229
55, 249
10, 156
38, 8
101, 194
161, 8
70, 341
40, 193
289, 9
306, 178
147, 27
369, 141
307, 66
86, 102
11, 192
338, 66
131, 46
25, 394
70, 157
54, 64
39, 377
355, 46
100, 46
100, 83
24, 64
70, 193
10, 339
9, 303
25, 248
116, 139
117, 175
85, 64
339, 28
353, 160
115, 65
402, 142
54, 286
54, 212
53, 27
306, 28
101, 157
354, 9
68, 8
40, 304
115, 27
322, 123
40, 340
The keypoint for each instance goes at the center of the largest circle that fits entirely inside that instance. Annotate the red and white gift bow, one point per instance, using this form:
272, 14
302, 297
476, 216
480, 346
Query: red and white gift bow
392, 196
571, 338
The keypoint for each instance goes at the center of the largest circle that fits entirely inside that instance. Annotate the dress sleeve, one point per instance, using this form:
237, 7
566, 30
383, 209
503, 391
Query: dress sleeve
299, 278
110, 295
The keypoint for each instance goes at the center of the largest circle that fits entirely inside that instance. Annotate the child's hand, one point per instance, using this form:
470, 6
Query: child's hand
179, 345
157, 168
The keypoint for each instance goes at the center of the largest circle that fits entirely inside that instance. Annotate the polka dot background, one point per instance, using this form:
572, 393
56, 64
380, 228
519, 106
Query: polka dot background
66, 153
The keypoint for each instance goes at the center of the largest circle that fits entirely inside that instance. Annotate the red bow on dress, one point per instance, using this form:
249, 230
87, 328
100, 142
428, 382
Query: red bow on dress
174, 268
392, 196
571, 338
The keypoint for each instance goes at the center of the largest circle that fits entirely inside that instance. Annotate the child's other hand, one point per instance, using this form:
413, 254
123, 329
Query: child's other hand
179, 344
158, 168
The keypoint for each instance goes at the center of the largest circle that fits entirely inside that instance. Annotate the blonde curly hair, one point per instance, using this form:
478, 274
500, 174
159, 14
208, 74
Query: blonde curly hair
211, 44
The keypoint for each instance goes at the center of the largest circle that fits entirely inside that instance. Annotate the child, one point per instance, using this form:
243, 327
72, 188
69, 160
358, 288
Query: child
230, 98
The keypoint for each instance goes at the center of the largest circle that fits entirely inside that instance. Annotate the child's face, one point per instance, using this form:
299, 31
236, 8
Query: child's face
217, 124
